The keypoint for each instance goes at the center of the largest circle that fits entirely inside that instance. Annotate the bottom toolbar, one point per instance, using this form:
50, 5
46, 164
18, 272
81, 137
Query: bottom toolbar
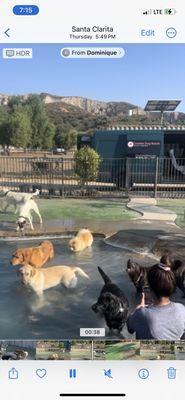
83, 379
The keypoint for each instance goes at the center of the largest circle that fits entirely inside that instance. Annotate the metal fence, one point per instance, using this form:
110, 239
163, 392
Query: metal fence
56, 176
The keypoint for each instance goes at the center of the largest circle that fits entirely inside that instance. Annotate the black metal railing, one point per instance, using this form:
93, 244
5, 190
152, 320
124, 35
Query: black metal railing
56, 176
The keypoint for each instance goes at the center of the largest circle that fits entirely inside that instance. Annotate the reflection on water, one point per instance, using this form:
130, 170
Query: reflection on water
61, 312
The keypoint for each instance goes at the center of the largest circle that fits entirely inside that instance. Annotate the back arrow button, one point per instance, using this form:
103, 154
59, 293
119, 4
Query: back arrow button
7, 32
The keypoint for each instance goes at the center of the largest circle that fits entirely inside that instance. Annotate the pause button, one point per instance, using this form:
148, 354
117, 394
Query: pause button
72, 373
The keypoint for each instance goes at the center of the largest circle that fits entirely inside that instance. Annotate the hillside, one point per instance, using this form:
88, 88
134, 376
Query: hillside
85, 115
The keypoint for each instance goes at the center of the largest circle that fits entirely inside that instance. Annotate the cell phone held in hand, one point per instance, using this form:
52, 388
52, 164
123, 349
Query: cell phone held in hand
148, 296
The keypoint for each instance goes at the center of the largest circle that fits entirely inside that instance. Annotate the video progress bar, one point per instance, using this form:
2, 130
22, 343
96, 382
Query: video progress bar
93, 395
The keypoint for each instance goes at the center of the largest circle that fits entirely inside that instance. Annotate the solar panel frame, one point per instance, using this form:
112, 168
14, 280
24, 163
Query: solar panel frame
162, 105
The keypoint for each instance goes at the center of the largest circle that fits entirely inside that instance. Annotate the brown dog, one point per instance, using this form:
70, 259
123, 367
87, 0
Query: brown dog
34, 256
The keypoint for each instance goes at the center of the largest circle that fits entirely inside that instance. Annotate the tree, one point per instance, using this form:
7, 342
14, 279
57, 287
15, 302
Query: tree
15, 102
68, 140
48, 138
43, 131
19, 128
4, 134
87, 162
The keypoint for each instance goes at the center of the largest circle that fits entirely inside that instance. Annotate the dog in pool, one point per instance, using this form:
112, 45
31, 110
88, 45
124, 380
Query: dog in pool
138, 274
81, 241
112, 304
35, 256
46, 278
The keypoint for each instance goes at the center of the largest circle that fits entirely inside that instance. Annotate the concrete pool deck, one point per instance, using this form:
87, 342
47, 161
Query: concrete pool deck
153, 232
149, 210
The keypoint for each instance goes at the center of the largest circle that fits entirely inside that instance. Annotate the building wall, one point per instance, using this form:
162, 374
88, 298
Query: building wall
128, 143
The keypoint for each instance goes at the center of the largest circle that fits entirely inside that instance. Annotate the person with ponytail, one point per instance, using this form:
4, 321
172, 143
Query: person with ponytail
164, 319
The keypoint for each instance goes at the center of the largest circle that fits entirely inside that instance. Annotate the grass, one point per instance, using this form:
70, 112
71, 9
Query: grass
80, 354
122, 351
176, 205
105, 210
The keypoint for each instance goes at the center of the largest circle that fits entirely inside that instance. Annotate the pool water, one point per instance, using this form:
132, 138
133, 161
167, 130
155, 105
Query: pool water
61, 312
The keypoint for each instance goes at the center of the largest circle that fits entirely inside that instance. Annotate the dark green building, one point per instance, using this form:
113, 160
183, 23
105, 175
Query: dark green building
123, 142
133, 154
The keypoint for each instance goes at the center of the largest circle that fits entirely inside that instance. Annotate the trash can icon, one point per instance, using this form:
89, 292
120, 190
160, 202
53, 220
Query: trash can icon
171, 373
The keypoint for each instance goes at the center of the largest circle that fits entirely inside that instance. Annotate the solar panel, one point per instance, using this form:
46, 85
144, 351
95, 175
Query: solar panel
162, 105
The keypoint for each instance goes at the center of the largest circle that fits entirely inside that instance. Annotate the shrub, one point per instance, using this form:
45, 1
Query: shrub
87, 162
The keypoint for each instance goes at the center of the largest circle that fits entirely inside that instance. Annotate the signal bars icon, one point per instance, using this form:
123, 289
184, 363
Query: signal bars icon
166, 11
147, 12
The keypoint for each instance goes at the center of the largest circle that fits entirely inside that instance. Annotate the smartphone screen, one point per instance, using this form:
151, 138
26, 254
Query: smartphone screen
92, 199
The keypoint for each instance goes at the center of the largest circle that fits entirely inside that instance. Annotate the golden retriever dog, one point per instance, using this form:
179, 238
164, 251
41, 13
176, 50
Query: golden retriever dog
35, 256
81, 241
46, 278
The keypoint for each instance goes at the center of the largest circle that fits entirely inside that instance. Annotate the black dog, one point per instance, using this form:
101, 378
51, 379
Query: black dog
178, 268
112, 304
9, 356
138, 275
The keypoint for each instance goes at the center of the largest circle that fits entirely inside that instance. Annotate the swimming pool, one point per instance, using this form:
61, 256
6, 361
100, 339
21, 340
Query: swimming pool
62, 312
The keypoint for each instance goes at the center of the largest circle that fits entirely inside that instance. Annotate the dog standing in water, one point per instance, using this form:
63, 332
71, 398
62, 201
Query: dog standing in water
81, 241
46, 278
112, 304
35, 256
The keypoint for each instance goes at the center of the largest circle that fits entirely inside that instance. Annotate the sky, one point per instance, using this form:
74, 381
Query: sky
147, 71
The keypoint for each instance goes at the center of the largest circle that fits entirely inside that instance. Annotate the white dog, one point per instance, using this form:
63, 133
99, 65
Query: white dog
25, 210
45, 278
15, 199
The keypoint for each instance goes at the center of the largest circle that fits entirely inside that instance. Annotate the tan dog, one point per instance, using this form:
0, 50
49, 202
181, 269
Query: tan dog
42, 279
53, 356
81, 241
35, 256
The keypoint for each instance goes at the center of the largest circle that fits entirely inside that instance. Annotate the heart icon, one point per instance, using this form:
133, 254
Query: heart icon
41, 373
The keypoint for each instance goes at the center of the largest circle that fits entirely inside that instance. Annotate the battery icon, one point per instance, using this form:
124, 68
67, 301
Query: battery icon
170, 11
